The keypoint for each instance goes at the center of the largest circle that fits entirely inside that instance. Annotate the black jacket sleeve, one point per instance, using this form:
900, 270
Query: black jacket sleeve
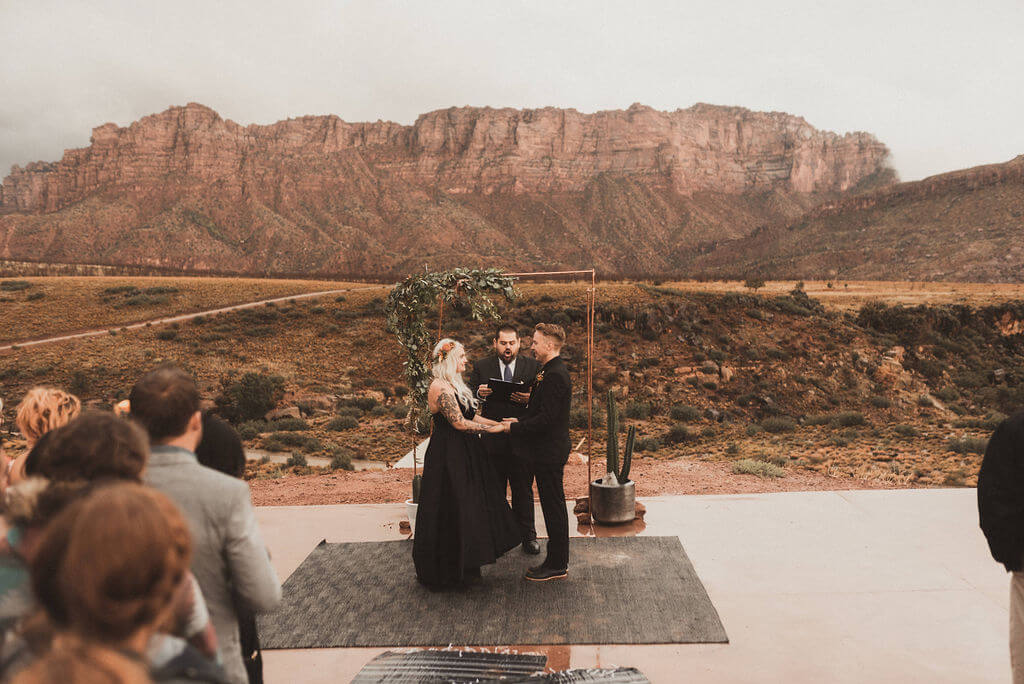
1001, 492
476, 377
545, 406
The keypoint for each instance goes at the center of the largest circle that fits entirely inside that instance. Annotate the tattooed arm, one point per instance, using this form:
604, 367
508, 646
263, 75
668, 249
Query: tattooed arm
448, 406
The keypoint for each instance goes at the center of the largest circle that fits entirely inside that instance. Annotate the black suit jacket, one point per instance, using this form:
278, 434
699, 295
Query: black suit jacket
485, 369
1001, 492
542, 433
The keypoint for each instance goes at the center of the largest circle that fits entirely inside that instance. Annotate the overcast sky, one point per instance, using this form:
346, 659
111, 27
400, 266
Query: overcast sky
939, 82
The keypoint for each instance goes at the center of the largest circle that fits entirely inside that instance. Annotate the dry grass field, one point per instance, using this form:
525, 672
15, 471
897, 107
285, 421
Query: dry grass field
772, 383
40, 307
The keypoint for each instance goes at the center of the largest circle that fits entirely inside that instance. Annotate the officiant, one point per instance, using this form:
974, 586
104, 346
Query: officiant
508, 366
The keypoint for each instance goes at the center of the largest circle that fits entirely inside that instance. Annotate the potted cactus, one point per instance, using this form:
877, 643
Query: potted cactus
613, 497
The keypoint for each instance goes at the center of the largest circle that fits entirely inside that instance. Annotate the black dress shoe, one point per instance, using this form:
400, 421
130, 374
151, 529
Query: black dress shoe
542, 574
531, 546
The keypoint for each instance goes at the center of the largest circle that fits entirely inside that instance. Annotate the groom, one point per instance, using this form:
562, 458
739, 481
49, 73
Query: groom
541, 436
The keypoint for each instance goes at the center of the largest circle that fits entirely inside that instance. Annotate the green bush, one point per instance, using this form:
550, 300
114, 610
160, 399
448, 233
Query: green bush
250, 396
947, 393
637, 410
778, 424
881, 402
251, 429
167, 335
679, 433
967, 445
685, 413
379, 411
289, 424
748, 466
296, 459
361, 403
400, 410
341, 458
850, 418
905, 430
818, 419
651, 444
342, 423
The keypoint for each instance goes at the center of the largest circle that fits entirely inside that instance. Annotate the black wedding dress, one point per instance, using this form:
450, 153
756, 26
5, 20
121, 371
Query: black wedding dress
463, 520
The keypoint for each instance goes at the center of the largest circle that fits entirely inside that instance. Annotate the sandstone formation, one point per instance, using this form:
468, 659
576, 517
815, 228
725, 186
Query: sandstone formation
630, 192
964, 225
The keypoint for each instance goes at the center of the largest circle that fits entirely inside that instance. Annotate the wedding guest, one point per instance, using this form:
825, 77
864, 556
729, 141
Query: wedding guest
231, 561
100, 635
42, 410
1001, 515
221, 448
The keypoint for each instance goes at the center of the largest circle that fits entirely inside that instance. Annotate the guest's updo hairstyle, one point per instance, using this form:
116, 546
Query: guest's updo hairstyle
97, 445
44, 409
109, 565
445, 366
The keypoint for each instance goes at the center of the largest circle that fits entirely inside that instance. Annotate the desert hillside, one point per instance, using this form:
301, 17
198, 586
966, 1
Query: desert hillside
629, 192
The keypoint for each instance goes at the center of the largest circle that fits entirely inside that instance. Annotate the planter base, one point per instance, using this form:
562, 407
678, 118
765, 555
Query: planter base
613, 505
410, 509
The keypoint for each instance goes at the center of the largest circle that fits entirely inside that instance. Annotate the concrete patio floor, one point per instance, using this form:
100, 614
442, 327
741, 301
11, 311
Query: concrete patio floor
852, 586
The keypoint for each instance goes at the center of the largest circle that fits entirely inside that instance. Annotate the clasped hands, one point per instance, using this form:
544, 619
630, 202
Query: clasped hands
504, 426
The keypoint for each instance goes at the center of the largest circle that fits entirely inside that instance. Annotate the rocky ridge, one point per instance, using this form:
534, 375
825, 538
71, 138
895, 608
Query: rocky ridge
186, 188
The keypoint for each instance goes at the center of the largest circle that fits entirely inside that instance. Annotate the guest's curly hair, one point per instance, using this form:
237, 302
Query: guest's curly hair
44, 409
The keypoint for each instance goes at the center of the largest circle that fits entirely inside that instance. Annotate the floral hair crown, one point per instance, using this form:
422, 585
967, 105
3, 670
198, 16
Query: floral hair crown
442, 353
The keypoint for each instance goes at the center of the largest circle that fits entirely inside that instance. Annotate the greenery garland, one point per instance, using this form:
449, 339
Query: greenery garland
406, 311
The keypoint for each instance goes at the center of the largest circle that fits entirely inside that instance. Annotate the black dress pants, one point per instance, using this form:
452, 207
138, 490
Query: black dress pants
552, 503
515, 474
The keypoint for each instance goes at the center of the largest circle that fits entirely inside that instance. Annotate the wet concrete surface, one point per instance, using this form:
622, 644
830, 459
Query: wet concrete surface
855, 586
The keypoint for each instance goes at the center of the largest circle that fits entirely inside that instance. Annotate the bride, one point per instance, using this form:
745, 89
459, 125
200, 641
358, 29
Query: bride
463, 520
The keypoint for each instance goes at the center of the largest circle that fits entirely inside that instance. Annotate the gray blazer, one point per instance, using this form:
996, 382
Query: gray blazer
229, 558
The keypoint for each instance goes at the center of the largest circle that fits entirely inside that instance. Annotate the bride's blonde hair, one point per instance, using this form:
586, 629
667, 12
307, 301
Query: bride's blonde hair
444, 368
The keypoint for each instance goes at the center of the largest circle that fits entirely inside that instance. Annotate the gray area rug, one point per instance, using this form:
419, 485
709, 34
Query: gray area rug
621, 590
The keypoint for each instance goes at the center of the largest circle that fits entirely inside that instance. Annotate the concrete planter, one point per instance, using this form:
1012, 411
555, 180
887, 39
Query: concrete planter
612, 504
410, 509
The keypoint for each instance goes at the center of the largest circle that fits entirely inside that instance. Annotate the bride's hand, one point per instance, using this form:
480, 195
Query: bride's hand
496, 428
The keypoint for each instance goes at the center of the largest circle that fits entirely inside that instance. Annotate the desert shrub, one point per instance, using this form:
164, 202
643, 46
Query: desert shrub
718, 356
651, 444
700, 357
14, 285
733, 449
296, 459
167, 335
250, 396
289, 424
342, 423
692, 380
638, 410
947, 393
361, 403
754, 283
34, 296
967, 445
748, 466
379, 411
400, 390
777, 354
989, 422
850, 418
679, 433
881, 402
905, 430
709, 384
970, 379
161, 290
400, 411
818, 419
251, 429
353, 411
746, 399
924, 402
684, 413
753, 429
341, 458
776, 460
778, 424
